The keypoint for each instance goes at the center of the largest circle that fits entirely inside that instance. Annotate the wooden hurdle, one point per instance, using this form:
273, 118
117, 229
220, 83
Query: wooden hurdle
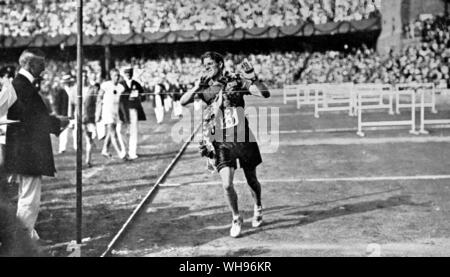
416, 87
307, 95
370, 94
423, 105
291, 92
376, 98
336, 97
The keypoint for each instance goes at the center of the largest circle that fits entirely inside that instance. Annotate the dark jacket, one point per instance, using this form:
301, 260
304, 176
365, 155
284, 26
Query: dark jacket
60, 102
90, 104
126, 102
28, 144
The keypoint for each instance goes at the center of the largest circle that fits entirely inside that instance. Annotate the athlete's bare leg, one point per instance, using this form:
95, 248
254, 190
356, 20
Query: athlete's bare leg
253, 183
227, 175
255, 187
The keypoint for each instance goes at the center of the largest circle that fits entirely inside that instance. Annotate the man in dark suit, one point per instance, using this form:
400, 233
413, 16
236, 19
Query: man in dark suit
29, 153
131, 111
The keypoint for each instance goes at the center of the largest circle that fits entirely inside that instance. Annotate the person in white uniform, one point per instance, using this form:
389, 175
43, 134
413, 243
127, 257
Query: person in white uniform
7, 98
107, 112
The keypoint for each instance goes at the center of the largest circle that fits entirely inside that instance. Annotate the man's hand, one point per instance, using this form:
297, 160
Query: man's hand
205, 152
64, 121
247, 70
71, 123
203, 81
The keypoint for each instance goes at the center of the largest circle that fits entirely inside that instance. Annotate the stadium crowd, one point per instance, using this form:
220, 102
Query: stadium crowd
56, 17
426, 25
425, 62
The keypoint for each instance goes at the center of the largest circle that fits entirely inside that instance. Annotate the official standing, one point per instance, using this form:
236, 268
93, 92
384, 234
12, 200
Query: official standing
29, 153
131, 111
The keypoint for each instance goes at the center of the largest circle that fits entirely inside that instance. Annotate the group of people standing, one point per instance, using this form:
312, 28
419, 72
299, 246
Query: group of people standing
27, 153
108, 109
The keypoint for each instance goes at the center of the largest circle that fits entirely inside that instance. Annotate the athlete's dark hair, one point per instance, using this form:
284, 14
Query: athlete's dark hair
215, 57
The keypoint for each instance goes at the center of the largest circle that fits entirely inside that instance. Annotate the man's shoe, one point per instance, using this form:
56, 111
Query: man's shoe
257, 217
123, 156
132, 157
236, 226
106, 154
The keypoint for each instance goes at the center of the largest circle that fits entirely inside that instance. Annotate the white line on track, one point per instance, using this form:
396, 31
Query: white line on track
337, 130
360, 141
343, 179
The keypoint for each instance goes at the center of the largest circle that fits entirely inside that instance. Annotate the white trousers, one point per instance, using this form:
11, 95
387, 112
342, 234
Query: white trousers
64, 138
29, 201
167, 103
123, 149
159, 109
133, 131
177, 108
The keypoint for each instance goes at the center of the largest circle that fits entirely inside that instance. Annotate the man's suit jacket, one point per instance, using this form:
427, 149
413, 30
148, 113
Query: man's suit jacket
28, 144
126, 103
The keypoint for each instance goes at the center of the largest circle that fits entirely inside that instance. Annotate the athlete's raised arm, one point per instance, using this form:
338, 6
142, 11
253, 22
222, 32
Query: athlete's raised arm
256, 87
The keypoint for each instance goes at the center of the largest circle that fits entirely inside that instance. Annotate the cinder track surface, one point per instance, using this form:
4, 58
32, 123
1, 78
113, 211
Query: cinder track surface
326, 192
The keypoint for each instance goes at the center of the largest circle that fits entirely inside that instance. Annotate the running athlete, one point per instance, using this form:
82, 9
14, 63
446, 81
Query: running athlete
229, 132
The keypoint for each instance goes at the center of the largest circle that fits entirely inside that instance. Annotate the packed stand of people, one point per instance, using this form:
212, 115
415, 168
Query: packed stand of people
57, 17
426, 25
427, 62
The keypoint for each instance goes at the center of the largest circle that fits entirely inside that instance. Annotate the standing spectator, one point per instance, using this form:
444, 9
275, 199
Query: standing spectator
71, 90
178, 91
90, 91
30, 161
107, 112
158, 99
131, 110
60, 106
7, 98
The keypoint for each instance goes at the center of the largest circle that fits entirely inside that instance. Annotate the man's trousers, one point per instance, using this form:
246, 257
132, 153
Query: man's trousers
29, 201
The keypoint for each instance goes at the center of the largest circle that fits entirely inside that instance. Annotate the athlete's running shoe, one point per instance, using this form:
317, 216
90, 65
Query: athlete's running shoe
257, 216
236, 226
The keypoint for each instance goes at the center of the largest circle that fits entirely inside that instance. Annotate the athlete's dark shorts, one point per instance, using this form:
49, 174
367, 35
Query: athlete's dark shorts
227, 153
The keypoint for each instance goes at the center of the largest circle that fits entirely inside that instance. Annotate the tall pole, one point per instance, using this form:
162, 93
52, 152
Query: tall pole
107, 60
79, 117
